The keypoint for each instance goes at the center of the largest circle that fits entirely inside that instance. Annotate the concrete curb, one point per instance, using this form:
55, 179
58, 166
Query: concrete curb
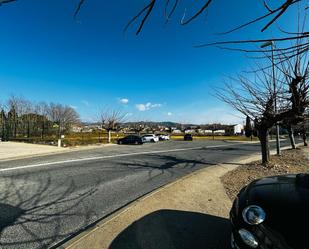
91, 231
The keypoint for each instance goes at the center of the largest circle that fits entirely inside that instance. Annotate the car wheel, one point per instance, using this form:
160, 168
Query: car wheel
152, 140
136, 142
119, 142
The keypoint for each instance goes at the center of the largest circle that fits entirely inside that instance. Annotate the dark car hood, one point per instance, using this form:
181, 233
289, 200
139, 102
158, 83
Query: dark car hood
285, 200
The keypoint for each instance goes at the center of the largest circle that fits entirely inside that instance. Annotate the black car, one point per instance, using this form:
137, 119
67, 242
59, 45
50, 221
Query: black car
131, 139
272, 213
188, 137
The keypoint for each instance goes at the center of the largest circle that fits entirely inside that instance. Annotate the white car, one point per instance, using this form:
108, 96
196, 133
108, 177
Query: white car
163, 137
150, 138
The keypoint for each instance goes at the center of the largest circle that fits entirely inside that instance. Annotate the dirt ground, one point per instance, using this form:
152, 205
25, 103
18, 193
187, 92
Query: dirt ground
291, 161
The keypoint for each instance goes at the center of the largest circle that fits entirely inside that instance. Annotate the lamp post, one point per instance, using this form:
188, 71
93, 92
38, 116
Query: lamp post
271, 44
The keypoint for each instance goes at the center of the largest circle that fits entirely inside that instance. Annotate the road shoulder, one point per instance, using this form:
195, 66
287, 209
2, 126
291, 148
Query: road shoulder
14, 150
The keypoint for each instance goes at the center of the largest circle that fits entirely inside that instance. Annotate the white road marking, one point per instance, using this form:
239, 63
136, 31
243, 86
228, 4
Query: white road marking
111, 156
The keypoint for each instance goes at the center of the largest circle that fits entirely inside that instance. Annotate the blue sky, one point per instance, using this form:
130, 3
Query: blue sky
90, 64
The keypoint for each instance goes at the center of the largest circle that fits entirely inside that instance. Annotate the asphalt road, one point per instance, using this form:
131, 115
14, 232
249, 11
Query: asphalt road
44, 200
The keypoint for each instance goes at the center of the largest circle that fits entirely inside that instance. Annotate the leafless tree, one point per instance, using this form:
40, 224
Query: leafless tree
110, 120
23, 118
6, 1
41, 109
17, 107
137, 127
271, 15
63, 116
302, 128
257, 97
273, 12
3, 123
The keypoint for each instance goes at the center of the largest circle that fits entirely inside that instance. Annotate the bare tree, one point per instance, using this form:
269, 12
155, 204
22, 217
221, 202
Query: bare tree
273, 12
271, 15
3, 123
256, 97
41, 110
6, 1
137, 127
63, 116
169, 8
110, 120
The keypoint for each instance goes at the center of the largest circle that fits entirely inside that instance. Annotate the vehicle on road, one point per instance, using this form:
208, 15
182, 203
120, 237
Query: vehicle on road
150, 138
131, 139
163, 137
188, 137
272, 212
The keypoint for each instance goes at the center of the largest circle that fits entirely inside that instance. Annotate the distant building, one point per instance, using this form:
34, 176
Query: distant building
219, 132
208, 132
76, 128
190, 131
176, 131
236, 129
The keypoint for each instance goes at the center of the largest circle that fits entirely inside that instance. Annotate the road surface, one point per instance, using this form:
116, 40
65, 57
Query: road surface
44, 200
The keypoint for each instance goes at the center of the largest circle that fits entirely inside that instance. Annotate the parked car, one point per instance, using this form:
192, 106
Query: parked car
272, 212
188, 137
131, 139
163, 137
150, 138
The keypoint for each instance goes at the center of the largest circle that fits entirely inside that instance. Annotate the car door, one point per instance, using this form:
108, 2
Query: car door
130, 139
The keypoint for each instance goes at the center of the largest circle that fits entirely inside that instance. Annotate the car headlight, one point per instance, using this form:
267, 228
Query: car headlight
248, 238
253, 215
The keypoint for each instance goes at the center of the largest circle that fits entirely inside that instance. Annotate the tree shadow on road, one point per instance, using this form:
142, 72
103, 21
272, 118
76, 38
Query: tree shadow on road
173, 229
158, 165
33, 211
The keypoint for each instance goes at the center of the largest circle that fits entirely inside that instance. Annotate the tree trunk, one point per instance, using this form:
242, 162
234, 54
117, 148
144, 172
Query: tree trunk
264, 140
43, 130
28, 129
15, 129
109, 136
59, 131
305, 138
291, 136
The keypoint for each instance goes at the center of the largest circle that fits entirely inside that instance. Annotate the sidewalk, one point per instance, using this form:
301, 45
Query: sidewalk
193, 210
15, 150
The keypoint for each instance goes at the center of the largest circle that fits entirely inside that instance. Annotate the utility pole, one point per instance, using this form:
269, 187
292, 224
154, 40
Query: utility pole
271, 44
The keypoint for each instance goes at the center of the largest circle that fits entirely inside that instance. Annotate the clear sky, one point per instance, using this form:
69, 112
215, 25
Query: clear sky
90, 64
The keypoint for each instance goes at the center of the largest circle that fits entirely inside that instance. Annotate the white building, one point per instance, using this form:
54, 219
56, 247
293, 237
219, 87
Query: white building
190, 131
219, 132
208, 132
238, 128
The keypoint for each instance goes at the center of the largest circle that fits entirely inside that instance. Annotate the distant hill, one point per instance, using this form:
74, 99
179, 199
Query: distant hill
151, 123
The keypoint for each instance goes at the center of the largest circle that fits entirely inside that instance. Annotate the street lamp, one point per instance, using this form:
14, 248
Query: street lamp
267, 44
